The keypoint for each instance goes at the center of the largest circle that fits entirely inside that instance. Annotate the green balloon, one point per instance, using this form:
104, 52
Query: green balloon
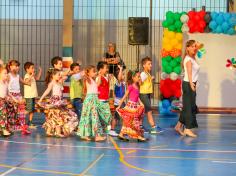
172, 28
173, 63
167, 69
170, 21
167, 58
177, 70
178, 24
177, 16
165, 24
178, 59
179, 30
164, 63
169, 14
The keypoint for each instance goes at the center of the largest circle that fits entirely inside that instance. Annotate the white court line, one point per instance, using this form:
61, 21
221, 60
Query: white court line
92, 164
123, 148
225, 162
8, 171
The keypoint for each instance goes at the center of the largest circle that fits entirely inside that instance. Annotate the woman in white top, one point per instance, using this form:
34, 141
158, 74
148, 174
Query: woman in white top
191, 72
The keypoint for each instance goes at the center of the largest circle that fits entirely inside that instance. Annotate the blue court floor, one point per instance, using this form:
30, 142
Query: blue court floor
213, 153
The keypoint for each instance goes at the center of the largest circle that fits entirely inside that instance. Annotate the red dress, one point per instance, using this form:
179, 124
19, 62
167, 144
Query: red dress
132, 115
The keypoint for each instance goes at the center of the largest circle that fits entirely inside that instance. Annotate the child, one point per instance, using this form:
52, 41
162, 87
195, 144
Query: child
57, 64
60, 121
119, 92
76, 88
133, 111
8, 108
30, 91
14, 91
95, 116
103, 85
146, 90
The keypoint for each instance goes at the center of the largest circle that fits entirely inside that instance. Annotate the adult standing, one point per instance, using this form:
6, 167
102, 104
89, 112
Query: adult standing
191, 72
113, 59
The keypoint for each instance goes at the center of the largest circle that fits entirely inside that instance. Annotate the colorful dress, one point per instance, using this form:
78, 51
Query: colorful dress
8, 109
95, 114
58, 114
14, 90
132, 114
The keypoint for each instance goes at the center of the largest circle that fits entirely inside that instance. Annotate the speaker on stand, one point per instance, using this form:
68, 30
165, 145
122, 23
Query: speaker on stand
138, 33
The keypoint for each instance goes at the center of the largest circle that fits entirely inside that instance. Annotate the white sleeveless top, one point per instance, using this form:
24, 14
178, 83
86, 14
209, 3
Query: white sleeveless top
57, 89
3, 89
195, 69
14, 84
92, 88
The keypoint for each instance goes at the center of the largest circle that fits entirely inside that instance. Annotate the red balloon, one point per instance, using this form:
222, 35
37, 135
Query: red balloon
178, 82
178, 94
197, 17
191, 14
202, 13
166, 94
168, 82
202, 24
190, 24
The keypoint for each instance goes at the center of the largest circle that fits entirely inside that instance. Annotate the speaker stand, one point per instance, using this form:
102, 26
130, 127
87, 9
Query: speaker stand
137, 55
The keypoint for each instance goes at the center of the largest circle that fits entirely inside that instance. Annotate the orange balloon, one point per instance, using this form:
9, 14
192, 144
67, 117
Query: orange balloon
164, 53
175, 52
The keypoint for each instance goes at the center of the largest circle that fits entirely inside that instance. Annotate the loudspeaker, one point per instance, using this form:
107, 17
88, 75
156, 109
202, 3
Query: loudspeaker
138, 30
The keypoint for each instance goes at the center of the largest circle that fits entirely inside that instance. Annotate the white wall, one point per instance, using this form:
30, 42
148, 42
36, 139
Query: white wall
217, 84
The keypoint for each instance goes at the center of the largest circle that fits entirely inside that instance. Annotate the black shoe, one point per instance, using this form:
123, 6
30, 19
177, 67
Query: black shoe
122, 138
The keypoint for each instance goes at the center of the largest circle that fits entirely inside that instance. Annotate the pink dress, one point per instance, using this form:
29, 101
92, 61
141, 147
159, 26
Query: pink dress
132, 114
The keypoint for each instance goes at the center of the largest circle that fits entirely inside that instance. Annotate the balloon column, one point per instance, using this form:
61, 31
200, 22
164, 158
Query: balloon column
170, 85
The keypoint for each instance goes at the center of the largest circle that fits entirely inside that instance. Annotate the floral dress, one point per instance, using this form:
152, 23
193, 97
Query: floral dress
96, 115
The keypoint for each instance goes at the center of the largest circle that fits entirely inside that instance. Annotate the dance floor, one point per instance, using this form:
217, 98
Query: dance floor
213, 153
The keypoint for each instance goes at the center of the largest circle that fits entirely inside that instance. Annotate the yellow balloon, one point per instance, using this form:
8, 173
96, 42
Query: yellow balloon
171, 35
166, 33
179, 36
165, 40
179, 46
168, 47
174, 42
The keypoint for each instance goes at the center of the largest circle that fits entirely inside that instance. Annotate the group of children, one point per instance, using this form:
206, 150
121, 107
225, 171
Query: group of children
90, 92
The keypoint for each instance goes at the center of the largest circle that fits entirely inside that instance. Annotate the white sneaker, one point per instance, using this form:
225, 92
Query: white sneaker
113, 133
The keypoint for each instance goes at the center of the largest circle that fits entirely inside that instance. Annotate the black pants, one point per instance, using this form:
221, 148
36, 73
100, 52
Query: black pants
189, 111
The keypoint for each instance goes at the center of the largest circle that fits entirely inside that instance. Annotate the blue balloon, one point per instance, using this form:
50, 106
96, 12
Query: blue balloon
225, 27
232, 21
219, 19
227, 16
213, 25
199, 54
231, 31
165, 104
219, 29
214, 15
169, 110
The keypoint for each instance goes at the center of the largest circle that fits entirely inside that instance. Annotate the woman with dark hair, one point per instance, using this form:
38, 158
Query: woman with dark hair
191, 70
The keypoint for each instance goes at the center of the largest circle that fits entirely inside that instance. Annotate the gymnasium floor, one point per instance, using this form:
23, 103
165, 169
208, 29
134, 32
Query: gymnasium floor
213, 153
